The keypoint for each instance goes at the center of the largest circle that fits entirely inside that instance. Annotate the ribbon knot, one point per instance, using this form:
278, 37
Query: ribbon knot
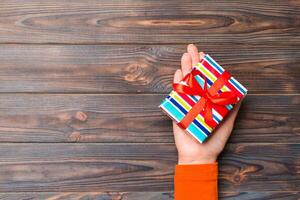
209, 97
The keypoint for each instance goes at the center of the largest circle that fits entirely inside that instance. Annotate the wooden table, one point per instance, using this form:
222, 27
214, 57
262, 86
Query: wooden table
80, 83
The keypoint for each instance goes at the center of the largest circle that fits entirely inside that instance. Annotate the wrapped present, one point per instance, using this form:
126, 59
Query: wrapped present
203, 98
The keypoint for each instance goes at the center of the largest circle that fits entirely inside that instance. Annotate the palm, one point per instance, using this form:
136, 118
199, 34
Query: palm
190, 150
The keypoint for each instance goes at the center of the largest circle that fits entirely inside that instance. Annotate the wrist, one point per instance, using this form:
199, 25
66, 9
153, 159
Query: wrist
195, 161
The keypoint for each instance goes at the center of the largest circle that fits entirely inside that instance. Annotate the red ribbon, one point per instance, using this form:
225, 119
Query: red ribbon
209, 97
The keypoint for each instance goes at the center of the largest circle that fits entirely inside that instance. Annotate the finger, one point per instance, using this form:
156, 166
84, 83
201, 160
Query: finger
230, 119
186, 64
177, 76
182, 137
232, 115
193, 51
201, 55
224, 130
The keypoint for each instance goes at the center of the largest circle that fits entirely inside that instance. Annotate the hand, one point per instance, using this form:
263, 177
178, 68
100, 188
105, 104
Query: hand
190, 151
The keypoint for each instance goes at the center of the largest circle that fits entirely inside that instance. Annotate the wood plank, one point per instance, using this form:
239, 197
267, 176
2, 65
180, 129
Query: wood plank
140, 167
140, 21
262, 69
277, 195
87, 195
141, 195
133, 118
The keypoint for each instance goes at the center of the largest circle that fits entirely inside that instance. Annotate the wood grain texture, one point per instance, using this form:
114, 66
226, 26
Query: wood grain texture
80, 82
139, 68
140, 167
144, 21
133, 118
261, 196
87, 196
141, 196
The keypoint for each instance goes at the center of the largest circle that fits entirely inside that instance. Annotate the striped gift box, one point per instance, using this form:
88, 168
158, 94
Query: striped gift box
178, 105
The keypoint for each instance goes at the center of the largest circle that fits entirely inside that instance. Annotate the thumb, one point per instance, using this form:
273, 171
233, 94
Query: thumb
223, 131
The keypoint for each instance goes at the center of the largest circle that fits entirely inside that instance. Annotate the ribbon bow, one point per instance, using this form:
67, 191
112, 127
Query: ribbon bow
209, 97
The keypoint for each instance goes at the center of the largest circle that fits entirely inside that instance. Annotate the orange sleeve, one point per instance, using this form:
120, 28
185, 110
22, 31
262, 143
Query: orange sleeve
196, 182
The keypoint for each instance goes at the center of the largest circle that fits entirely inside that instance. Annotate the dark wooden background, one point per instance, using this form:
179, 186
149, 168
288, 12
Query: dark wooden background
80, 82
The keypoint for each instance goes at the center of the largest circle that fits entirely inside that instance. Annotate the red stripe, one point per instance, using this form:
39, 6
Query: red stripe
220, 109
217, 74
187, 99
223, 111
192, 103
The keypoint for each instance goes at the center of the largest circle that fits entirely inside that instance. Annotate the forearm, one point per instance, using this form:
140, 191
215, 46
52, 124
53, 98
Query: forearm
195, 182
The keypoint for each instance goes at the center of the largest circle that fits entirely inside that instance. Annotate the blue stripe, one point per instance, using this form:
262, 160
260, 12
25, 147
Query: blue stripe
200, 80
214, 63
185, 112
200, 136
217, 119
229, 107
194, 98
170, 108
179, 116
200, 126
243, 88
178, 106
220, 70
209, 82
214, 116
235, 84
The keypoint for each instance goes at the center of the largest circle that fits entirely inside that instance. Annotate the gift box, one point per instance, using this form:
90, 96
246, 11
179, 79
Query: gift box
203, 98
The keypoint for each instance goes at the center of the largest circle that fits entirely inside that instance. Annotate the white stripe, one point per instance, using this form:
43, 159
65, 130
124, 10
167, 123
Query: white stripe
199, 128
165, 109
191, 122
199, 115
214, 63
238, 83
233, 79
190, 132
175, 107
217, 115
209, 72
230, 81
178, 121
